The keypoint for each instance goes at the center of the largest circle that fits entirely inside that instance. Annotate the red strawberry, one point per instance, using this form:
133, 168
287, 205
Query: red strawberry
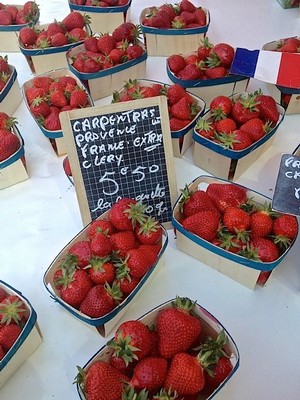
33, 92
174, 93
178, 124
101, 245
262, 249
106, 43
58, 39
52, 122
39, 107
54, 28
215, 72
100, 225
127, 284
224, 52
102, 381
150, 373
226, 194
192, 202
235, 219
126, 213
139, 261
76, 35
4, 66
226, 125
176, 63
205, 128
285, 229
2, 353
9, 144
267, 108
42, 82
82, 251
237, 140
102, 270
101, 300
58, 98
245, 108
126, 31
134, 51
200, 17
8, 335
220, 107
186, 5
177, 328
27, 36
123, 241
181, 109
203, 224
179, 22
255, 128
261, 222
190, 72
5, 18
74, 20
149, 231
78, 98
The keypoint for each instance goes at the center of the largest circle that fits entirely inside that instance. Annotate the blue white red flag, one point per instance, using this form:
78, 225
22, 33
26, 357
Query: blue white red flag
276, 67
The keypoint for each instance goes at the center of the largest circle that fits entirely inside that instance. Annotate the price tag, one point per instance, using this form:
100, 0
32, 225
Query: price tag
286, 197
122, 150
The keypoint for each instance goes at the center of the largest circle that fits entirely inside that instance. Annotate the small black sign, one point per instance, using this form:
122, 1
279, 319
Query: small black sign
286, 197
122, 153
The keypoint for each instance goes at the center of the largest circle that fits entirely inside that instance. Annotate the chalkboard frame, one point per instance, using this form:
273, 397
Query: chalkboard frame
68, 117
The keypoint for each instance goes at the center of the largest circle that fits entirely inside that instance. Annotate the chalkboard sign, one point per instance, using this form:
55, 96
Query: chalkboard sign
121, 150
286, 197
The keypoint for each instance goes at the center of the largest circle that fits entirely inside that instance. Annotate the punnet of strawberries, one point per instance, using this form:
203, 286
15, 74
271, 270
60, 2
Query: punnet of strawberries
106, 50
10, 14
288, 45
208, 61
47, 96
14, 314
169, 355
100, 3
72, 29
102, 268
183, 106
182, 15
237, 122
228, 216
9, 141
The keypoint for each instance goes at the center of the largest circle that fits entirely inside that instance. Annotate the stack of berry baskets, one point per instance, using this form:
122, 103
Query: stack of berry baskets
45, 46
12, 154
20, 333
184, 108
12, 19
105, 15
47, 95
205, 70
10, 94
288, 97
227, 142
111, 265
106, 60
208, 229
163, 336
173, 28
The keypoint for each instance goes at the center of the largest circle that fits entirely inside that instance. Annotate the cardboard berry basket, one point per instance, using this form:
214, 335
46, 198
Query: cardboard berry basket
49, 58
10, 96
28, 341
289, 3
289, 98
9, 34
181, 139
103, 83
13, 169
210, 327
103, 19
102, 325
165, 42
236, 267
55, 137
208, 89
227, 163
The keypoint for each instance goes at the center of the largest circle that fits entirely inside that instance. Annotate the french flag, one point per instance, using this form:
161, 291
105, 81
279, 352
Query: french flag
276, 67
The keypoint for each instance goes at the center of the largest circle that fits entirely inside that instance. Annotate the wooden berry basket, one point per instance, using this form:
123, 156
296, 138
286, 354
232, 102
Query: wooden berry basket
208, 89
45, 60
10, 96
9, 34
182, 139
226, 163
28, 341
236, 267
13, 169
105, 82
165, 42
55, 137
103, 19
210, 327
279, 92
102, 325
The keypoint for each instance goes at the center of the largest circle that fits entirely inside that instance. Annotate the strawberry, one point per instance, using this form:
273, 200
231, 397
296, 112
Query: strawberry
176, 63
100, 225
52, 122
13, 310
179, 22
101, 381
161, 20
235, 219
100, 300
149, 231
2, 353
8, 335
245, 108
263, 277
267, 108
181, 109
140, 261
177, 328
123, 241
9, 144
186, 5
205, 128
4, 66
12, 10
192, 202
285, 229
203, 224
126, 31
39, 107
185, 375
73, 285
78, 98
226, 125
5, 18
82, 251
224, 52
125, 213
101, 245
74, 20
256, 128
150, 373
54, 28
134, 51
132, 341
106, 43
42, 82
261, 223
174, 93
91, 44
76, 35
220, 107
27, 36
190, 72
215, 72
236, 140
261, 249
58, 98
58, 40
200, 16
226, 194
33, 92
178, 124
127, 284
101, 271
